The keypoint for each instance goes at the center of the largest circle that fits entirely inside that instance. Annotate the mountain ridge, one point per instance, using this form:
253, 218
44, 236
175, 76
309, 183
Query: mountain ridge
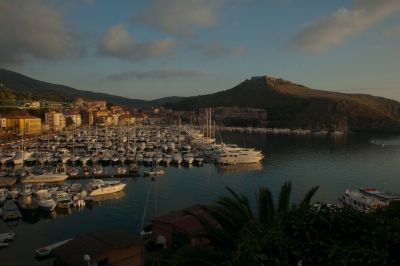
26, 87
296, 106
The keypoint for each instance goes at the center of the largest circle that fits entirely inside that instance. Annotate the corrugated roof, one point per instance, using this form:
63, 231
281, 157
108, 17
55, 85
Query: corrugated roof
94, 244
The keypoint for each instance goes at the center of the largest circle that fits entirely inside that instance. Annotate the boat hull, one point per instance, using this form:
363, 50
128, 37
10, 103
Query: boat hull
108, 190
54, 178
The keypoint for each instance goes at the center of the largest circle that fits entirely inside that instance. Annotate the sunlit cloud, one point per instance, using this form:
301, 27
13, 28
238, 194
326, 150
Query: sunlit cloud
33, 29
180, 17
331, 31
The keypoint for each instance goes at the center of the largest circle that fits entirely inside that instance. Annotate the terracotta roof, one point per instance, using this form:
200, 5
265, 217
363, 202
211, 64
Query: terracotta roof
21, 117
94, 244
185, 222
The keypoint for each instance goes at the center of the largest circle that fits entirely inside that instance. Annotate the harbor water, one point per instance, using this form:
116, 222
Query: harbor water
332, 162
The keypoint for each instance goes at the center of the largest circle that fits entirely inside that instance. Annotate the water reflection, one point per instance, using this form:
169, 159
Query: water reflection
238, 168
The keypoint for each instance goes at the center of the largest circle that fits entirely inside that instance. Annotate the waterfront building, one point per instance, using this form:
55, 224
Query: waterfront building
178, 228
55, 120
27, 125
117, 248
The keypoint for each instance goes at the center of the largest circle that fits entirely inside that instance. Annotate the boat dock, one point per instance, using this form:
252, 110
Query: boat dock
105, 176
7, 182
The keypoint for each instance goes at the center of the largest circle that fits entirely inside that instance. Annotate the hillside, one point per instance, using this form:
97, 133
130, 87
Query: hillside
296, 106
24, 87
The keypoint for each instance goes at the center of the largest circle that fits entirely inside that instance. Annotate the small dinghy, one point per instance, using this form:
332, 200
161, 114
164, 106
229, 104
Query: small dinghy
47, 250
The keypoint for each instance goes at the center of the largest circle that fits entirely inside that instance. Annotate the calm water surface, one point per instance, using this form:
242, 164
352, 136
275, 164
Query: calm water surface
333, 163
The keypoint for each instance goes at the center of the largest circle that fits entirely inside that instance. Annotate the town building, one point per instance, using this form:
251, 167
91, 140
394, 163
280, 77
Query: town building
118, 248
3, 122
32, 105
55, 120
27, 125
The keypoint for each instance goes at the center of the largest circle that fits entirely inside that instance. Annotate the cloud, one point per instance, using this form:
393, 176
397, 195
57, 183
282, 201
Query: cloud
180, 17
393, 32
117, 42
218, 50
157, 74
33, 28
330, 31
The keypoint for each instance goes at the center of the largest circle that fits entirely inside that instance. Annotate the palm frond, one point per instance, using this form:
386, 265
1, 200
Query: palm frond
265, 204
284, 197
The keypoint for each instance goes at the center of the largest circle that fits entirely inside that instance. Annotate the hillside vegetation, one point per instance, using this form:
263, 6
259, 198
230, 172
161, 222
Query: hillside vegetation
24, 87
296, 106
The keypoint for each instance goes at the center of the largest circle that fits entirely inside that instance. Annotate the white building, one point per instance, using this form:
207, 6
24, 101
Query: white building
55, 120
3, 122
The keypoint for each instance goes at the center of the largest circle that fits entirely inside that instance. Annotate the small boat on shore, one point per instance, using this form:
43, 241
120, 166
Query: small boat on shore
47, 250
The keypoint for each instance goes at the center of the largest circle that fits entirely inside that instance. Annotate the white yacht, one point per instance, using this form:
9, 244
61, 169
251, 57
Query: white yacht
99, 187
243, 155
58, 175
45, 200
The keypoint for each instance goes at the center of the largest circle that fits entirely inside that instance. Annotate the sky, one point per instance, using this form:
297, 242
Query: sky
148, 49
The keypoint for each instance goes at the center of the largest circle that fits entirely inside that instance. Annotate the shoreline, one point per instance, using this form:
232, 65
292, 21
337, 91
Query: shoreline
282, 131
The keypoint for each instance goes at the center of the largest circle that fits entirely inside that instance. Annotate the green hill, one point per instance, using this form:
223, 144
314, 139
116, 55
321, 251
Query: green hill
24, 87
296, 106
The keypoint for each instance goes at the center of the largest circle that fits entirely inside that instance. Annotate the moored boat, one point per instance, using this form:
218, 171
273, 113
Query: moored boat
99, 187
47, 250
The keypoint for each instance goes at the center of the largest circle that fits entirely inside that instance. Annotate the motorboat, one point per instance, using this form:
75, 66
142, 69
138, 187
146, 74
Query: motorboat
57, 175
188, 158
121, 170
63, 199
11, 211
167, 158
27, 203
99, 187
45, 200
177, 158
73, 172
154, 172
98, 170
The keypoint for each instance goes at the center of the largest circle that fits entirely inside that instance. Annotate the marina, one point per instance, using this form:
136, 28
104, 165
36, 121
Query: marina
185, 184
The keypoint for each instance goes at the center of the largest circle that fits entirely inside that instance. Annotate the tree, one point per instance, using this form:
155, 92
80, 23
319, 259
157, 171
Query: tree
246, 235
69, 121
